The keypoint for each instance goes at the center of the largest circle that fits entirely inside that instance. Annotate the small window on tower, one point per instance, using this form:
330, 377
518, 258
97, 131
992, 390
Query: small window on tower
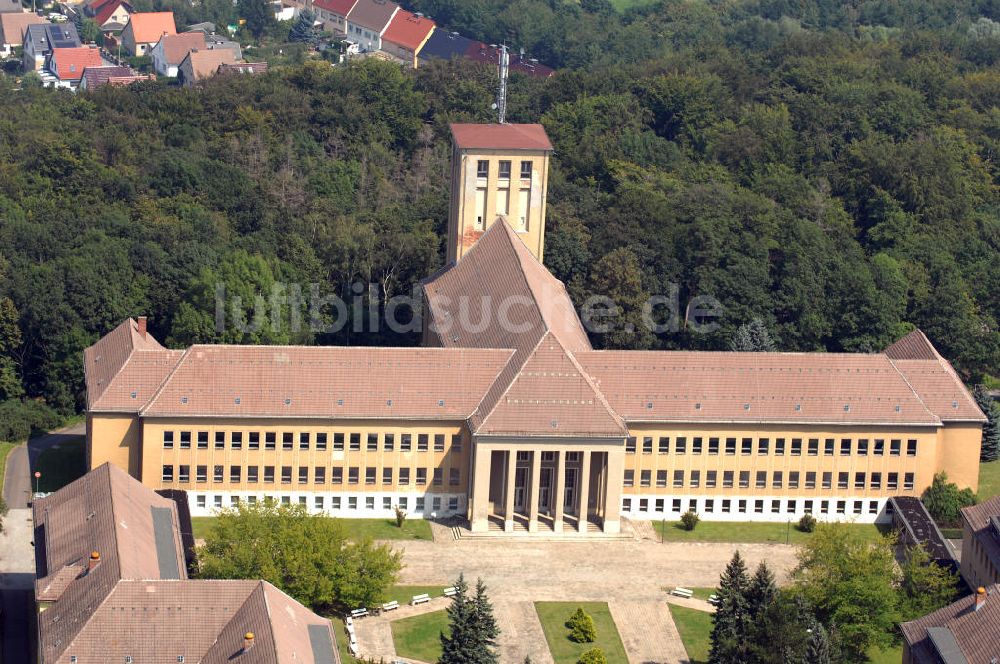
482, 169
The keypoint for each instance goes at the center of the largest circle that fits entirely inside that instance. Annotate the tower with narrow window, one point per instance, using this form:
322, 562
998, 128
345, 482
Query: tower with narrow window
498, 170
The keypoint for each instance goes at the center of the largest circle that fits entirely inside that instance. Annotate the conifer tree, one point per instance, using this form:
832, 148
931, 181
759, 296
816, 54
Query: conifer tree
304, 29
752, 337
990, 450
731, 623
473, 629
485, 627
761, 592
818, 646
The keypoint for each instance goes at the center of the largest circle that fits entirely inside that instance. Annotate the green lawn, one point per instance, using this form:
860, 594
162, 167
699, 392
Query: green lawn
989, 480
695, 628
554, 615
60, 465
403, 594
418, 637
384, 529
5, 449
340, 632
741, 531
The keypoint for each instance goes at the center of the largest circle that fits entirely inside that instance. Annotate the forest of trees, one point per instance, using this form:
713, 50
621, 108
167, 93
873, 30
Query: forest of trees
828, 168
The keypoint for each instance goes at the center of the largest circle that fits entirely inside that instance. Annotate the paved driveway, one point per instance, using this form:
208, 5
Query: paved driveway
17, 483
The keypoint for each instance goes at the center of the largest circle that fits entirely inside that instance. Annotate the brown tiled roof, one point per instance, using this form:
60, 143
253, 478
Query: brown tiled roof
95, 77
341, 7
978, 517
149, 27
372, 14
243, 68
206, 63
500, 136
336, 382
686, 386
175, 47
977, 633
913, 346
13, 25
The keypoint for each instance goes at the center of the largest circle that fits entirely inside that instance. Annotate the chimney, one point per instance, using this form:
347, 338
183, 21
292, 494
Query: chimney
94, 561
247, 641
980, 597
142, 326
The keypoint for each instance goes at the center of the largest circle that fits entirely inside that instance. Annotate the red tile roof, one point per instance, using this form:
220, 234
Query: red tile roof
977, 633
175, 47
500, 136
148, 27
105, 8
95, 77
68, 63
408, 30
933, 379
341, 7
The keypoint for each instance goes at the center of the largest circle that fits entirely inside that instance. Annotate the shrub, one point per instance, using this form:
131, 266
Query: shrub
593, 656
20, 419
807, 523
400, 516
944, 500
581, 627
689, 520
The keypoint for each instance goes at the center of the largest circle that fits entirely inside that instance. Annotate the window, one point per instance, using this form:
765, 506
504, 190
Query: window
710, 505
269, 474
779, 446
303, 474
696, 445
185, 440
661, 478
319, 474
456, 442
859, 480
287, 441
911, 447
828, 446
908, 481
503, 172
482, 168
253, 440
796, 447
879, 448
775, 506
675, 505
422, 442
710, 478
841, 507
372, 442
811, 479
746, 448
827, 480
218, 473
404, 476
727, 479
438, 477
338, 441
843, 480
629, 478
286, 474
758, 506
730, 446
405, 442
525, 170
355, 441
168, 440
761, 481
647, 445
713, 445
269, 439
793, 479
744, 479
321, 442
352, 502
892, 483
201, 474
420, 504
454, 477
664, 445
894, 446
680, 447
318, 502
202, 440
876, 481
336, 475
845, 446
421, 476
388, 442
168, 474
439, 442
862, 447
304, 440
678, 479
253, 473
387, 476
695, 479
807, 506
763, 446
814, 447
353, 473
741, 506
630, 445
727, 505
234, 474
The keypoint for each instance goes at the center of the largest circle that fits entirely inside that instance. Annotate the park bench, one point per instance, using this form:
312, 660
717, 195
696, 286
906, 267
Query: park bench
349, 623
713, 600
682, 592
390, 606
420, 599
354, 650
450, 592
359, 613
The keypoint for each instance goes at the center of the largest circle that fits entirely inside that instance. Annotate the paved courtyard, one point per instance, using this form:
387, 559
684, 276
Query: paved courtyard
632, 576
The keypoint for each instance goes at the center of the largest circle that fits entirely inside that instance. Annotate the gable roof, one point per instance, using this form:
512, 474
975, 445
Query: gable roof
372, 14
468, 136
341, 7
13, 25
176, 46
103, 9
47, 36
490, 54
111, 74
408, 30
148, 27
976, 634
70, 62
243, 68
979, 518
205, 63
444, 45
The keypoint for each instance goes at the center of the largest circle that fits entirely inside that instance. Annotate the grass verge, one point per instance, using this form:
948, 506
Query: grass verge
989, 480
418, 637
381, 529
553, 616
695, 628
60, 465
5, 449
744, 532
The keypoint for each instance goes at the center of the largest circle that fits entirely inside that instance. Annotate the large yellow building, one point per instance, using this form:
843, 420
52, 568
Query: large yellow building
512, 419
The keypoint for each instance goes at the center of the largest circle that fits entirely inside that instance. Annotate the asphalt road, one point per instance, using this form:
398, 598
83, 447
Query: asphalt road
17, 482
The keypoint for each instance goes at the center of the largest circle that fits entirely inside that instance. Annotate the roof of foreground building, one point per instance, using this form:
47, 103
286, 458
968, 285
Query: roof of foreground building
959, 633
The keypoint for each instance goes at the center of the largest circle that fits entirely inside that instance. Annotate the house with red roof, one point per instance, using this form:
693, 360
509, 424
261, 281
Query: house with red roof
110, 15
144, 30
95, 77
67, 64
406, 35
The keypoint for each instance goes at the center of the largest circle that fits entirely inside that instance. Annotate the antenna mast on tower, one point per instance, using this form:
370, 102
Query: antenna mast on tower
504, 64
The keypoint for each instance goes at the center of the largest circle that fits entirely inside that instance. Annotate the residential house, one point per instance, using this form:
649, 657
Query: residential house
111, 585
95, 77
444, 45
12, 28
965, 632
333, 14
243, 68
145, 29
368, 20
40, 39
215, 42
67, 64
111, 15
199, 65
406, 35
172, 49
11, 7
981, 543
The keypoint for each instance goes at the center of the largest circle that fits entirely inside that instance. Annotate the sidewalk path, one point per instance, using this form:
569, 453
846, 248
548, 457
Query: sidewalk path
17, 480
648, 632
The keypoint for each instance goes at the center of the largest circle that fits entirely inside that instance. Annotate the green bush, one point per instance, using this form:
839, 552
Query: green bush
807, 523
689, 520
581, 627
593, 656
19, 419
944, 500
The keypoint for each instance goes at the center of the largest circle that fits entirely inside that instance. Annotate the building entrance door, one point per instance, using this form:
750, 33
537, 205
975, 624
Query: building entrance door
569, 494
520, 489
544, 490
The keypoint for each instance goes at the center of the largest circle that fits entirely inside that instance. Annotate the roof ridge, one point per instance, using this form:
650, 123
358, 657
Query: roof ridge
166, 379
593, 385
506, 389
916, 394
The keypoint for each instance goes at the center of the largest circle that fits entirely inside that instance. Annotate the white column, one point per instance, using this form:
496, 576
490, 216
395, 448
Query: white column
480, 489
557, 497
614, 478
584, 489
508, 514
536, 473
